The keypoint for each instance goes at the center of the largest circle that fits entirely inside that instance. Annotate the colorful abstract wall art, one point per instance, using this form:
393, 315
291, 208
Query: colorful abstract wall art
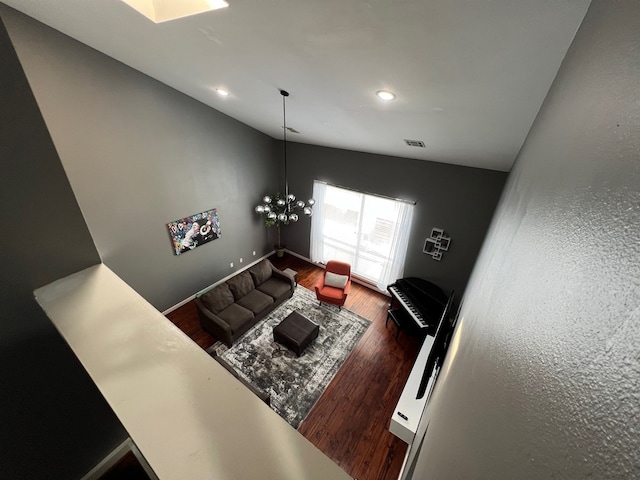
191, 232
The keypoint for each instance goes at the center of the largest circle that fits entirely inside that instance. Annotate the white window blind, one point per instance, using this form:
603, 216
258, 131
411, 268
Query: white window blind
367, 231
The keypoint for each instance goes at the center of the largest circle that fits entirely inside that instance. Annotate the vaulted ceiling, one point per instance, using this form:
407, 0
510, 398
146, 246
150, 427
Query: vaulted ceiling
469, 76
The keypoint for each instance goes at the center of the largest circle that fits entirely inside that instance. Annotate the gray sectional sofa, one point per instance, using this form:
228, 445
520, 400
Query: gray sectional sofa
233, 307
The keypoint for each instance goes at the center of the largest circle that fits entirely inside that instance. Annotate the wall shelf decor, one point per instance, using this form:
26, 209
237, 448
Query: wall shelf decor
437, 243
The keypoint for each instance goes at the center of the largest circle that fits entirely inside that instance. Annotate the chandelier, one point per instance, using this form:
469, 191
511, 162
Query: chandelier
282, 209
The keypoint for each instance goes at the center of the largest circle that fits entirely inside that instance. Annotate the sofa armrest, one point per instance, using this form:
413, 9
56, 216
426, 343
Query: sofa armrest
319, 284
214, 324
280, 274
347, 288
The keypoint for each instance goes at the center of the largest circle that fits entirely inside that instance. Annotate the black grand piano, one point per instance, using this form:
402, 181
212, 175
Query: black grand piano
418, 305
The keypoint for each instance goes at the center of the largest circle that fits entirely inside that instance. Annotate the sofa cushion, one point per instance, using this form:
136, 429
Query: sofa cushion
332, 292
236, 316
241, 284
275, 287
334, 280
255, 301
218, 298
261, 272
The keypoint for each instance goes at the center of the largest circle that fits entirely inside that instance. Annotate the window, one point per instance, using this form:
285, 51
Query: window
370, 232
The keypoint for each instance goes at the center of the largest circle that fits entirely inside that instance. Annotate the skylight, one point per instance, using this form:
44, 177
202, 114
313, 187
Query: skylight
160, 11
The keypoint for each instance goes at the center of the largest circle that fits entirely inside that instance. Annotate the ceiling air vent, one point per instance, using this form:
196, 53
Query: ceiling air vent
414, 143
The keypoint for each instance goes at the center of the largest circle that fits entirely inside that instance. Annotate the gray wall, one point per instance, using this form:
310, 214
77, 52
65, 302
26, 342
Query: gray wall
459, 199
543, 379
139, 154
54, 422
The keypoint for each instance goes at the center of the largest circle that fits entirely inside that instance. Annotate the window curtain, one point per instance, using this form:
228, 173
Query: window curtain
394, 268
368, 231
317, 222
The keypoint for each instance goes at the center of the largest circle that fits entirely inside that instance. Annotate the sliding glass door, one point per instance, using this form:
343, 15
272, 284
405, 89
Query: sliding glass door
368, 231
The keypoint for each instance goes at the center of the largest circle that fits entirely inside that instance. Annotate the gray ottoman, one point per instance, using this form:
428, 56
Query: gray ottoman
295, 332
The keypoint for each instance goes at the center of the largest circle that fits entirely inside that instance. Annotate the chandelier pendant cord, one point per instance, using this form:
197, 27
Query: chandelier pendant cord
278, 210
285, 94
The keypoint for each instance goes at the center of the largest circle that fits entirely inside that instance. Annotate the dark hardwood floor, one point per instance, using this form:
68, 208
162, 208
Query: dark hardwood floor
350, 421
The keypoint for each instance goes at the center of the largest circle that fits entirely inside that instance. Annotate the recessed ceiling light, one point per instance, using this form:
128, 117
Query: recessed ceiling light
160, 11
222, 92
385, 95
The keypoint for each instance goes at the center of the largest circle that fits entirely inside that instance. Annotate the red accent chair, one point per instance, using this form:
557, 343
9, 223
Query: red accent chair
333, 287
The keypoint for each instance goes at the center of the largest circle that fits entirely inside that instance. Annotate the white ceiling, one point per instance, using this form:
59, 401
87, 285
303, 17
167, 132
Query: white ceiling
469, 75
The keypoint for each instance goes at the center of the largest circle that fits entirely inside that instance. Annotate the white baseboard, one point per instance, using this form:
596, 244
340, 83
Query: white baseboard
354, 278
188, 299
178, 305
294, 254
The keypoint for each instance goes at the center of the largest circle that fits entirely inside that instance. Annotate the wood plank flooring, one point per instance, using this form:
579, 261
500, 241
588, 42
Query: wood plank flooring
350, 421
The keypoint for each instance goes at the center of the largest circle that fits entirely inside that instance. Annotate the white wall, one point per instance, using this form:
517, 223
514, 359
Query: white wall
543, 375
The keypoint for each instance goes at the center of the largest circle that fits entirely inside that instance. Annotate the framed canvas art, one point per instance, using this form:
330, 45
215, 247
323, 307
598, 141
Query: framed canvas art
191, 232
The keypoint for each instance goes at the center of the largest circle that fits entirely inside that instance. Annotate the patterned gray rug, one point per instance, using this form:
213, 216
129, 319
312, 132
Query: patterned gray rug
295, 384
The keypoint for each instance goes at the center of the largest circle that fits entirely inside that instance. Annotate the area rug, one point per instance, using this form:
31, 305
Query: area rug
295, 383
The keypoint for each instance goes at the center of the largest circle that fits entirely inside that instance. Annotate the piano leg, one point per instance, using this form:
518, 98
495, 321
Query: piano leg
391, 315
